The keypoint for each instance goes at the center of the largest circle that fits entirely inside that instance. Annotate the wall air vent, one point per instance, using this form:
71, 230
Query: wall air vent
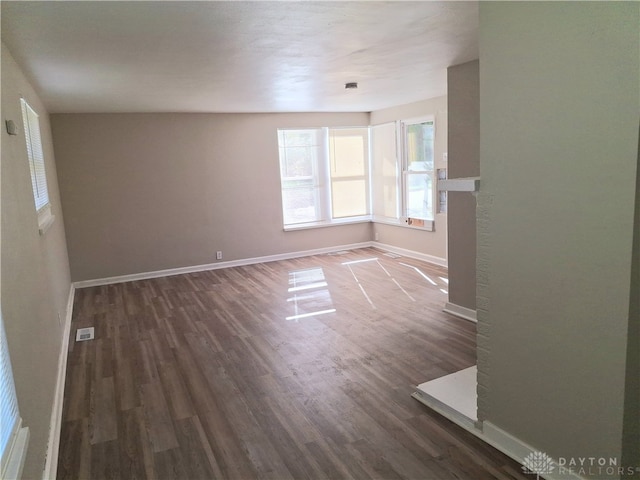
83, 334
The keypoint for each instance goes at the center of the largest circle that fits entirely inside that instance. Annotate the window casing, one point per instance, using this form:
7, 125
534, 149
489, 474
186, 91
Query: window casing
36, 166
13, 436
300, 175
324, 174
385, 173
418, 169
349, 172
403, 172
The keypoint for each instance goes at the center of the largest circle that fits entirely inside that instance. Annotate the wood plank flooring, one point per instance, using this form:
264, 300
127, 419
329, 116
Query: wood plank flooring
298, 369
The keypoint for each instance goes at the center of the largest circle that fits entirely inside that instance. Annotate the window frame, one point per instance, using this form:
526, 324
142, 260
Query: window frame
323, 181
365, 176
316, 175
378, 159
37, 166
424, 223
379, 177
14, 439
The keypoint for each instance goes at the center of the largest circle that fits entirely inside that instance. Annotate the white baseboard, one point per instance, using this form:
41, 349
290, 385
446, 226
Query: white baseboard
217, 265
505, 442
517, 449
442, 262
459, 311
251, 261
444, 410
51, 463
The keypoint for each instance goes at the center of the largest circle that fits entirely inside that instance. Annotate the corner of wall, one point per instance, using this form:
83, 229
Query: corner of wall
483, 225
631, 419
55, 427
35, 271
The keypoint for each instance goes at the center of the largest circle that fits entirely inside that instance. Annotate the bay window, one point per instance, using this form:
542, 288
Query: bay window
329, 176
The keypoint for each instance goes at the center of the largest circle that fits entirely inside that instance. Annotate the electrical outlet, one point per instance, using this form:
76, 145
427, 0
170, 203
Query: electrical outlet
377, 236
219, 255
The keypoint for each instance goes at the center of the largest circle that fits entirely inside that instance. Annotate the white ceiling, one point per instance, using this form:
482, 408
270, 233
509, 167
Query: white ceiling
237, 56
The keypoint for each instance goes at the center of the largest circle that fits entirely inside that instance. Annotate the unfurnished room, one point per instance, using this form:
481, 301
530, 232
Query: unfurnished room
320, 240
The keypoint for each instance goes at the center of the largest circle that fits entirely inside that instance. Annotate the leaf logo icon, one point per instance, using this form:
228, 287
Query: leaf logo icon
538, 463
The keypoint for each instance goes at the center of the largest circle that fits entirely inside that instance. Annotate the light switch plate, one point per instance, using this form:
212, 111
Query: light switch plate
12, 128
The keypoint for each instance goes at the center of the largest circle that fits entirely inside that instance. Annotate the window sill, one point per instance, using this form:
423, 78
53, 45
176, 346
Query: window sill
429, 225
333, 223
45, 219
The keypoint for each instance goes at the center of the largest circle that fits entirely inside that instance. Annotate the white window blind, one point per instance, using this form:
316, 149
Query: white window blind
36, 157
9, 415
349, 171
385, 171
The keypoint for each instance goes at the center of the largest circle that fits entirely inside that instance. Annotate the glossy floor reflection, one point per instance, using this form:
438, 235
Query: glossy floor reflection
296, 369
311, 296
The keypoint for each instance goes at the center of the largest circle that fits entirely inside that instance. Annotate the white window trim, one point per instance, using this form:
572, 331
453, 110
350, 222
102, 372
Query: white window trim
429, 225
366, 176
332, 223
33, 142
45, 219
13, 455
404, 171
401, 220
324, 181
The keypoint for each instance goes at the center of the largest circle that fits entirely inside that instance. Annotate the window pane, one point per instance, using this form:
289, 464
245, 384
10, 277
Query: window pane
299, 205
298, 138
418, 167
419, 196
324, 173
35, 155
385, 174
349, 198
297, 161
9, 414
299, 150
420, 138
347, 155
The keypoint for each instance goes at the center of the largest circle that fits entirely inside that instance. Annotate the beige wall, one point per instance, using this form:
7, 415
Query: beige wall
463, 88
35, 270
429, 243
558, 156
631, 428
146, 192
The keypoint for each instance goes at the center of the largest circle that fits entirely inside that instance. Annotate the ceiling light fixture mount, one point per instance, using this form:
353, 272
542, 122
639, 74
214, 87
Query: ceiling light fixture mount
351, 85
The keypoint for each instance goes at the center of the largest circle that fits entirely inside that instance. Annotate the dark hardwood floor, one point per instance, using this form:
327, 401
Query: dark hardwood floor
286, 370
